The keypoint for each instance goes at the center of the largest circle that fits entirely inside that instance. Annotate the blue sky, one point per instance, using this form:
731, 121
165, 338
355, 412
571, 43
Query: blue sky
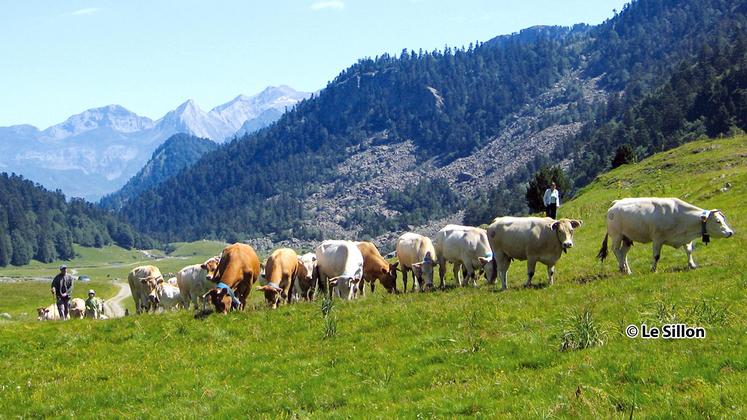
62, 57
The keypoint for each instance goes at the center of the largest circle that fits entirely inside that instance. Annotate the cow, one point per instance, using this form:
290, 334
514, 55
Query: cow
375, 267
417, 254
50, 313
466, 247
165, 295
220, 299
662, 221
281, 271
534, 239
238, 269
143, 280
307, 277
340, 265
77, 308
193, 283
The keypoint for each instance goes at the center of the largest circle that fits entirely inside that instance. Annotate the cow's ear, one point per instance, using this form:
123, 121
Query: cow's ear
143, 281
483, 260
333, 282
555, 225
313, 258
384, 270
160, 280
203, 266
576, 223
394, 266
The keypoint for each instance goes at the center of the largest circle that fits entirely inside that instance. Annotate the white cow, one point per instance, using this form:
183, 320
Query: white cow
303, 287
417, 254
662, 221
193, 283
464, 246
534, 239
165, 295
77, 308
50, 313
340, 265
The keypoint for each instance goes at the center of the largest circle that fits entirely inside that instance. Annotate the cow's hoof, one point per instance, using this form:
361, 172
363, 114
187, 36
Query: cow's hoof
692, 266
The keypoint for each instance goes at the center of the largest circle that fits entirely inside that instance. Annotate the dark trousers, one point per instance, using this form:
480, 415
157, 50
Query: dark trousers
551, 210
63, 307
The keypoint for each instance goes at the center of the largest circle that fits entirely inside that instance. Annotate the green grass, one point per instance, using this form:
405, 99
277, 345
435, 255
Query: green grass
462, 352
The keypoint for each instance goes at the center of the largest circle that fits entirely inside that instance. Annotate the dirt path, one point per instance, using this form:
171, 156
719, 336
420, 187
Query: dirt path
114, 307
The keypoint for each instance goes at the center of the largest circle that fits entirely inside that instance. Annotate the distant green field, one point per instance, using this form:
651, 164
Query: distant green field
461, 352
21, 297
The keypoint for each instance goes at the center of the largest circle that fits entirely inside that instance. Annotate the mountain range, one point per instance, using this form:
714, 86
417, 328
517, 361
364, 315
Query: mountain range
97, 151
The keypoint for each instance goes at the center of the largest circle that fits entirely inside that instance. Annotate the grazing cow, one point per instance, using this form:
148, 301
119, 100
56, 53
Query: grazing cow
375, 267
534, 239
142, 282
466, 247
165, 295
417, 254
307, 277
340, 265
238, 269
50, 313
220, 299
662, 221
77, 308
193, 283
281, 271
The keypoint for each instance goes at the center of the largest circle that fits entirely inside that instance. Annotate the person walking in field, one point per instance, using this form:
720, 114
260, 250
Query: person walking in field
94, 305
552, 201
62, 289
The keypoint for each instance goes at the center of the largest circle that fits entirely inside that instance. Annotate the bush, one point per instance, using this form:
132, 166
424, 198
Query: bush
581, 332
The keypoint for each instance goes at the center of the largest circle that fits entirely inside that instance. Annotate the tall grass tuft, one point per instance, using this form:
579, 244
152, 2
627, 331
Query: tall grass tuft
581, 331
329, 327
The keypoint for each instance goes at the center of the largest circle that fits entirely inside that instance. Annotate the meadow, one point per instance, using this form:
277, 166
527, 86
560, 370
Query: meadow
545, 352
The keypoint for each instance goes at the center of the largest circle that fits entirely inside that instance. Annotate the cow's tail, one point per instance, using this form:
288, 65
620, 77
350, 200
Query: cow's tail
602, 255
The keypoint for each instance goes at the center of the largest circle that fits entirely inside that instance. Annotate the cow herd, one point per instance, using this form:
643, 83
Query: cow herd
341, 268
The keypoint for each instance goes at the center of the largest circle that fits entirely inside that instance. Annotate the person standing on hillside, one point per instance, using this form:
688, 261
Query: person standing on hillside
552, 201
62, 289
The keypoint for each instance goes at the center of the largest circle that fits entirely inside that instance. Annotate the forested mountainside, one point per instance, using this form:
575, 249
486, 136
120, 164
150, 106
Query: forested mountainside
472, 116
39, 224
176, 153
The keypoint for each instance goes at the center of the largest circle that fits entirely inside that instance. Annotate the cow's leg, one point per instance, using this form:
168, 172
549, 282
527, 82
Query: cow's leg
455, 271
441, 272
502, 264
656, 254
531, 265
689, 249
404, 278
551, 274
373, 285
622, 254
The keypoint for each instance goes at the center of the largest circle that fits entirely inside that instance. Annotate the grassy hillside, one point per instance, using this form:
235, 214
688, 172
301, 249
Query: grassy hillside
459, 352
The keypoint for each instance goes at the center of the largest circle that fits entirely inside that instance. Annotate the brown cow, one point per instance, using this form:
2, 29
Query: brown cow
281, 272
238, 268
220, 299
376, 267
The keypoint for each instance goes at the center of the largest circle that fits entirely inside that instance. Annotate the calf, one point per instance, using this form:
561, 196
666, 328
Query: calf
375, 267
281, 270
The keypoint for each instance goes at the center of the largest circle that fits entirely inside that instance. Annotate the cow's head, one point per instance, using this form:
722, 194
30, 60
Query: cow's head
564, 230
423, 271
388, 277
486, 263
42, 313
716, 225
220, 299
152, 283
273, 294
211, 266
347, 287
